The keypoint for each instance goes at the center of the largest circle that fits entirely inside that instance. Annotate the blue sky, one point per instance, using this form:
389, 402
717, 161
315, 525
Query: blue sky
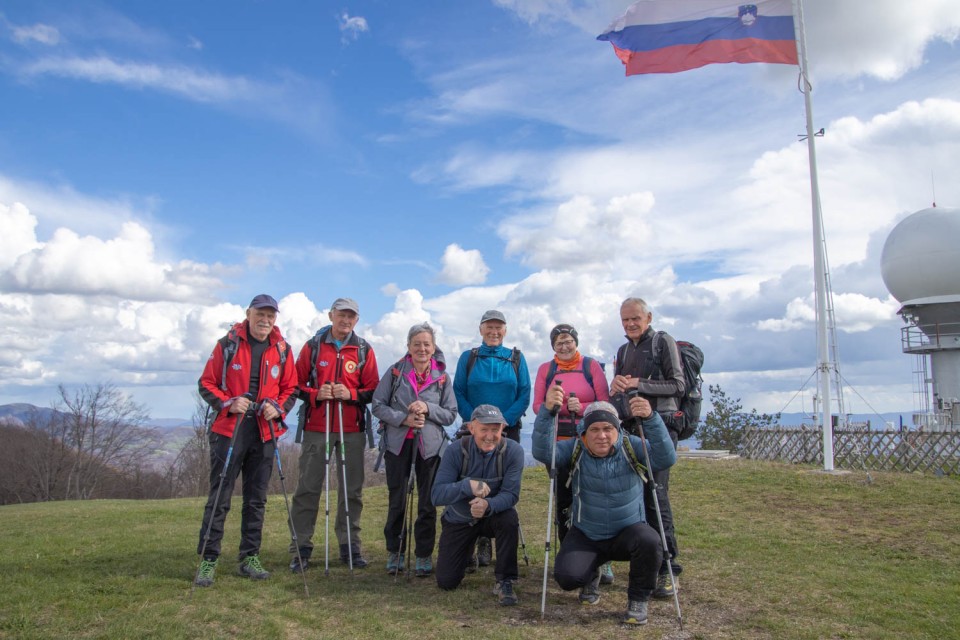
161, 163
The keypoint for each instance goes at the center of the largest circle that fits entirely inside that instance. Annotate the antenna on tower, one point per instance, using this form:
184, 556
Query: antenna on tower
933, 189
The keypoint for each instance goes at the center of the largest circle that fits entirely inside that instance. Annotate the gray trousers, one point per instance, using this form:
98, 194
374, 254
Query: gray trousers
306, 500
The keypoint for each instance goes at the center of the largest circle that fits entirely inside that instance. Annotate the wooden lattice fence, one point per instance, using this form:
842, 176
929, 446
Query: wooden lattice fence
859, 449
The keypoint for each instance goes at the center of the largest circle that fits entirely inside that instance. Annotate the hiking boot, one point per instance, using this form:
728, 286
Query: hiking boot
484, 552
424, 567
472, 564
664, 588
394, 563
359, 562
636, 612
590, 592
205, 573
299, 563
251, 568
505, 594
606, 573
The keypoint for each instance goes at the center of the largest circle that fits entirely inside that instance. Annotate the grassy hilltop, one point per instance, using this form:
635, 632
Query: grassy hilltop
769, 551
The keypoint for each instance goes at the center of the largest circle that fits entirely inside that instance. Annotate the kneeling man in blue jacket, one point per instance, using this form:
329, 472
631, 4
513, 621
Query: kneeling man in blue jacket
479, 484
607, 517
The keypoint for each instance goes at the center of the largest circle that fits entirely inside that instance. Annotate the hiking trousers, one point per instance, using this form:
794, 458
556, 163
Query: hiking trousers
398, 481
254, 459
457, 540
580, 558
305, 504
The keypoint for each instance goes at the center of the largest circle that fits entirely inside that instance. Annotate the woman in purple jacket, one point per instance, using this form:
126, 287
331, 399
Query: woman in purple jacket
583, 382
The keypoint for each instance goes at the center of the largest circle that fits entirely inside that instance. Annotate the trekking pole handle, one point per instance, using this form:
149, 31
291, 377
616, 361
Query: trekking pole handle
555, 410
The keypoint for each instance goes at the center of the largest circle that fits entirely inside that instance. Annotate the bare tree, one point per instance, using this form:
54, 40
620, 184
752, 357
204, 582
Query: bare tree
105, 429
192, 466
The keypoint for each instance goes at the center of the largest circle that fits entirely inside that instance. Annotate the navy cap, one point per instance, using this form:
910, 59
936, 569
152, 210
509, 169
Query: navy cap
487, 414
263, 301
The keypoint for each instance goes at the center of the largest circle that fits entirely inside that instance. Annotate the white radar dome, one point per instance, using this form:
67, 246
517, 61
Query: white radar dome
920, 262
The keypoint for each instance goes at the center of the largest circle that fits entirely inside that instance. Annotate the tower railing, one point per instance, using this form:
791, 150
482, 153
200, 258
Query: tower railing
927, 338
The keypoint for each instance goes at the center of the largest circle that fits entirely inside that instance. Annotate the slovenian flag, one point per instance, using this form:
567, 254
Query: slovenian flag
667, 36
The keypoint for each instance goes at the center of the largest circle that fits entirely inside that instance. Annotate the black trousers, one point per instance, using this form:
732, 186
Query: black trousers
662, 478
398, 482
580, 558
254, 459
457, 541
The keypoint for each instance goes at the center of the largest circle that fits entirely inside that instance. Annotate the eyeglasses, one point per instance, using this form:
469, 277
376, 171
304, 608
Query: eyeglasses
563, 343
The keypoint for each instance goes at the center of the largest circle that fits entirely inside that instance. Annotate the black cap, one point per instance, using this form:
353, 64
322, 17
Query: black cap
487, 414
263, 301
560, 329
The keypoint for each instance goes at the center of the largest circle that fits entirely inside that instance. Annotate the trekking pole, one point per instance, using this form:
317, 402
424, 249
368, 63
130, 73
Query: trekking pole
326, 486
283, 487
656, 503
408, 507
216, 498
553, 484
346, 496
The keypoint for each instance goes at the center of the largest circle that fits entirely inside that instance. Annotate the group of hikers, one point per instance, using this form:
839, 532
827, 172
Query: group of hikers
609, 450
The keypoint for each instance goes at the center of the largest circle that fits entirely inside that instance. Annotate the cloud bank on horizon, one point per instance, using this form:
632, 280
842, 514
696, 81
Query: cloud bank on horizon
156, 173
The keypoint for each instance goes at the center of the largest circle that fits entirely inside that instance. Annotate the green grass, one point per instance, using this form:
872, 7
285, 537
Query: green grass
769, 551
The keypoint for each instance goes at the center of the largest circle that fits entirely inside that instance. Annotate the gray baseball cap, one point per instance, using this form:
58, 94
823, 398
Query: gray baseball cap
348, 304
493, 314
487, 414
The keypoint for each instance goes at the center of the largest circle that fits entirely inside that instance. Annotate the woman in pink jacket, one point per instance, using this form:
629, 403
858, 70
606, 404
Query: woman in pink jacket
583, 382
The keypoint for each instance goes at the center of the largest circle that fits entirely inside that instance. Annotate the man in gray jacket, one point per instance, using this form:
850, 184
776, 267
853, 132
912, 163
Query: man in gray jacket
479, 483
607, 515
649, 362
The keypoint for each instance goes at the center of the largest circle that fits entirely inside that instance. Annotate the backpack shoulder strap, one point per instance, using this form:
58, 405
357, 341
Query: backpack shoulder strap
466, 456
618, 363
472, 360
551, 372
314, 343
515, 360
228, 346
631, 455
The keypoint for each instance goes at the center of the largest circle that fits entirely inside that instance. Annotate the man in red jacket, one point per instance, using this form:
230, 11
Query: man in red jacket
249, 380
337, 372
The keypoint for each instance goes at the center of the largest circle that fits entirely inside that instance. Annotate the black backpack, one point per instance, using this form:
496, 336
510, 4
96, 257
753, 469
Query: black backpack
687, 416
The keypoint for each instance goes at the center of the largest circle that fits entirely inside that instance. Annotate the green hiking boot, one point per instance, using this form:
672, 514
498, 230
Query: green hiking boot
394, 563
251, 568
424, 567
205, 573
606, 573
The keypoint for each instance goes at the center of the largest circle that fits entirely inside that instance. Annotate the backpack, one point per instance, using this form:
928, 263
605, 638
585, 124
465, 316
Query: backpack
229, 345
314, 343
687, 416
585, 365
382, 430
514, 359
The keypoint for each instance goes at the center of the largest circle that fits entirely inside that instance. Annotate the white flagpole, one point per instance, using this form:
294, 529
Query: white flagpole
824, 365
